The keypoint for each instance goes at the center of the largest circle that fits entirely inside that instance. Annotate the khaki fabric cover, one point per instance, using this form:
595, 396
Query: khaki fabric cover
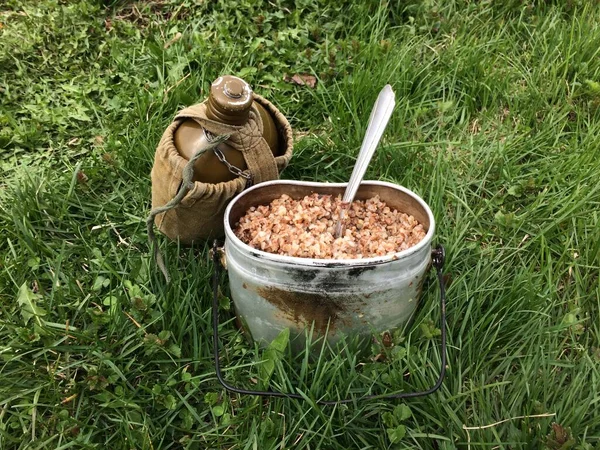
200, 214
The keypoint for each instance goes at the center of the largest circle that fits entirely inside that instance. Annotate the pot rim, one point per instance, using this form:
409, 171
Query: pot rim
295, 260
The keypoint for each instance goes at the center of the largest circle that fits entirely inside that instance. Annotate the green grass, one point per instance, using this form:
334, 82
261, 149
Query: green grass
497, 127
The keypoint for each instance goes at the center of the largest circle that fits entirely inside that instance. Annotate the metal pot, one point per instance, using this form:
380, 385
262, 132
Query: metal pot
355, 297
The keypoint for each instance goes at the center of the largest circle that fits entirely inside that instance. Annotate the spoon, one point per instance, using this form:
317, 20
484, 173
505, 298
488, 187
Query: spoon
378, 120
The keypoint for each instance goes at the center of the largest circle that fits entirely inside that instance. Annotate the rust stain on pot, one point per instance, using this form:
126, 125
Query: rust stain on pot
421, 281
305, 307
420, 286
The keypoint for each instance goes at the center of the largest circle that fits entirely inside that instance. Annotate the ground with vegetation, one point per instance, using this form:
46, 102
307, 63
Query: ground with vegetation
497, 127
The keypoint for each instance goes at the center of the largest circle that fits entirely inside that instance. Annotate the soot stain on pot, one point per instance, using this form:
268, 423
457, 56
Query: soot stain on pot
305, 307
320, 307
332, 279
355, 272
304, 276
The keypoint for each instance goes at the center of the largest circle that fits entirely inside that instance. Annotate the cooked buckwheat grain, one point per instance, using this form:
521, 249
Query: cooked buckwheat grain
306, 228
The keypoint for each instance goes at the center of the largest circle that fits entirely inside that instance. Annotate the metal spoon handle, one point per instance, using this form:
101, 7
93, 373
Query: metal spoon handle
378, 120
380, 116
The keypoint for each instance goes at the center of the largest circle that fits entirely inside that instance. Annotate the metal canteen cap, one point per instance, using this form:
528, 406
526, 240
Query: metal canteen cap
230, 100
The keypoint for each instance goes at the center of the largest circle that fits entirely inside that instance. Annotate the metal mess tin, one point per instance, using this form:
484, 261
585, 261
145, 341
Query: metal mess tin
357, 297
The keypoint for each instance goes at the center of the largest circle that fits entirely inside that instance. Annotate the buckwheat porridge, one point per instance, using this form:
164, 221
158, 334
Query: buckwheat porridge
306, 228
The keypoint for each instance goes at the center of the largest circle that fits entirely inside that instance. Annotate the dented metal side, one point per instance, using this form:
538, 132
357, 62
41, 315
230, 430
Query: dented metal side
343, 297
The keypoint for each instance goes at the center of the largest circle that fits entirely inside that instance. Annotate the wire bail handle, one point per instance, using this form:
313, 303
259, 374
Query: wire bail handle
438, 257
